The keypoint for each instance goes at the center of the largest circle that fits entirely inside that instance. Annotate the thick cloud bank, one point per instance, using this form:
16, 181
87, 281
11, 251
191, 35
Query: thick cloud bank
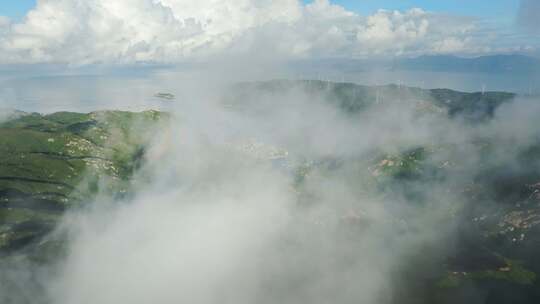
127, 31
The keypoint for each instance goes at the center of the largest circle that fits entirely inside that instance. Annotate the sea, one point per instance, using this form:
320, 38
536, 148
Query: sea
47, 90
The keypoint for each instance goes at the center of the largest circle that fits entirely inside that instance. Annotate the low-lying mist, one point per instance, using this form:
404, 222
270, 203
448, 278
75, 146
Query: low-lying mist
283, 195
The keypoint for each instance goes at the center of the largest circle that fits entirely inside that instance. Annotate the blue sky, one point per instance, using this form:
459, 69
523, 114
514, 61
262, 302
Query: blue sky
15, 9
502, 9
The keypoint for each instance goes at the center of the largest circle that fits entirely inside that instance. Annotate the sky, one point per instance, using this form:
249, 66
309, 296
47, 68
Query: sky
489, 9
127, 31
16, 9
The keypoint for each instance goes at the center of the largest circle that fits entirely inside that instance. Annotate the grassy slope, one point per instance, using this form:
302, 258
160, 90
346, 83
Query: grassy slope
51, 162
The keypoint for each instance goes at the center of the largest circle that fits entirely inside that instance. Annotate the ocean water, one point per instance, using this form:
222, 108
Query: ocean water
134, 89
86, 93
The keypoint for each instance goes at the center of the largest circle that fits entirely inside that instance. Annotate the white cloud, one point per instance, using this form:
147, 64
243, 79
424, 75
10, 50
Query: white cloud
125, 31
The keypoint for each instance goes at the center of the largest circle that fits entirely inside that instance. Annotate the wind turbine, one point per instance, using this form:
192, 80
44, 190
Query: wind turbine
377, 93
399, 90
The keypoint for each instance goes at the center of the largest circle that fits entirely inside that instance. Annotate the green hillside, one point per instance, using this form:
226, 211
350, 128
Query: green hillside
49, 163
